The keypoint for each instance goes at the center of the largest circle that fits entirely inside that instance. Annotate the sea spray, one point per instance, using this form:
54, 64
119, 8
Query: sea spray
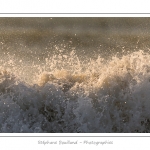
66, 94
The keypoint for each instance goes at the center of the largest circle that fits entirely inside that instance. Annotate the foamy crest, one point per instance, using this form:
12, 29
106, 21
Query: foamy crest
71, 95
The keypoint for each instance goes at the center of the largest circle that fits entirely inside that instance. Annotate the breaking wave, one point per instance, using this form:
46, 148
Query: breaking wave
66, 94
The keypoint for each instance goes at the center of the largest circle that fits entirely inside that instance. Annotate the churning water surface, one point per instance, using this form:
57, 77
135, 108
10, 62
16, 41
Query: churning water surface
82, 75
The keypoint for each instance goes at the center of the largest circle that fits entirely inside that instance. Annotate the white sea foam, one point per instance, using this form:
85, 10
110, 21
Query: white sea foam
65, 94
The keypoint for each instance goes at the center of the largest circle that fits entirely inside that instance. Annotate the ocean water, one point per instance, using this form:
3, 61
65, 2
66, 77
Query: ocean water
74, 75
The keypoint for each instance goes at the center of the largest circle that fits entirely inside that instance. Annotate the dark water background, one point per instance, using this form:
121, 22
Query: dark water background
88, 36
